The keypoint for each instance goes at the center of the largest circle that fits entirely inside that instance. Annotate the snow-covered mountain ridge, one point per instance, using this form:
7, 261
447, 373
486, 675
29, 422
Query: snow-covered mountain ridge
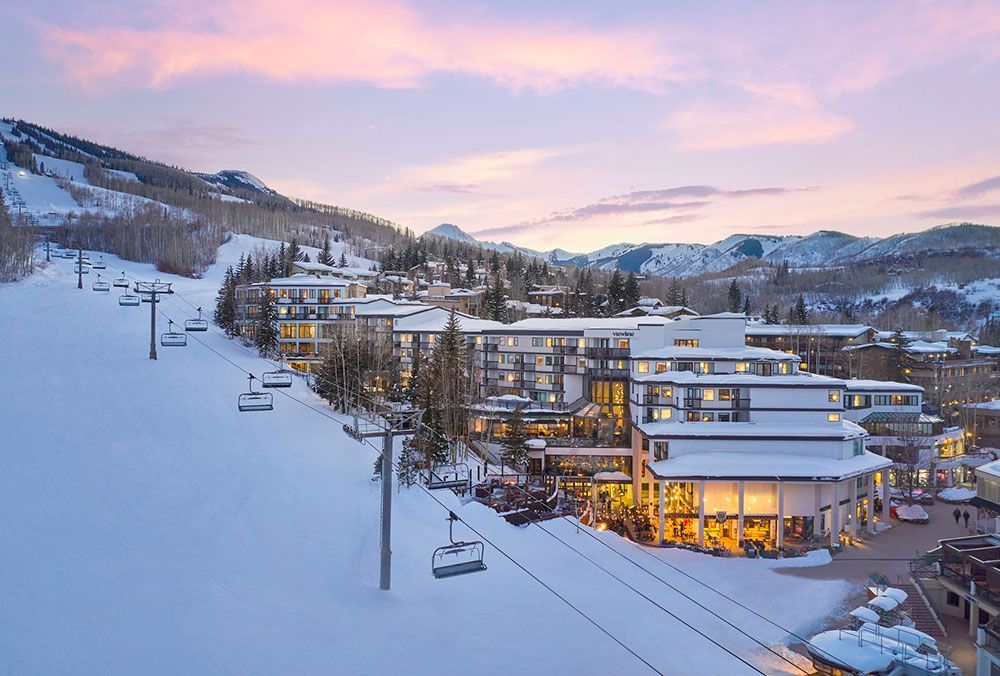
822, 248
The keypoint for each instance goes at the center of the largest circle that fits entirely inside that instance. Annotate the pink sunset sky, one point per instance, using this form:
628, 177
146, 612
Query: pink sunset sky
557, 124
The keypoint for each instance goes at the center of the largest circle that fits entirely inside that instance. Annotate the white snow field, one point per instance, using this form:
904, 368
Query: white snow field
148, 527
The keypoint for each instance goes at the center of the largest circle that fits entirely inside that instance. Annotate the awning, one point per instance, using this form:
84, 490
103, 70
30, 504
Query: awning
984, 504
612, 477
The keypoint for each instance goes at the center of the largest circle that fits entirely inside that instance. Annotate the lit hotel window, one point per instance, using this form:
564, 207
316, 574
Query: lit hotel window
833, 417
643, 367
833, 395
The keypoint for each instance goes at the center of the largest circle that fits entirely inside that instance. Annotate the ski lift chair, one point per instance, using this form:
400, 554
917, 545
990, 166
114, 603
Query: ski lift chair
457, 558
148, 297
255, 401
99, 264
173, 338
121, 282
78, 270
279, 378
100, 285
450, 476
198, 324
128, 300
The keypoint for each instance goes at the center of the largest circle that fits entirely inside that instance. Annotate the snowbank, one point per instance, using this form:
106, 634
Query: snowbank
956, 494
913, 513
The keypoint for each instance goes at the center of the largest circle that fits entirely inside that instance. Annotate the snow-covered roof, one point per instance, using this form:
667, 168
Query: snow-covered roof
304, 279
844, 429
986, 350
992, 405
765, 465
741, 353
916, 347
434, 322
799, 379
385, 310
864, 385
658, 310
581, 323
315, 267
837, 330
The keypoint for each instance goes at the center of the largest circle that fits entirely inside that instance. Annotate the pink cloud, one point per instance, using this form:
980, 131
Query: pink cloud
386, 43
771, 115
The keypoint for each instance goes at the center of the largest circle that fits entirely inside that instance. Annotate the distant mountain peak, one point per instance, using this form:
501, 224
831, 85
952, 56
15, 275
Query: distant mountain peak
238, 179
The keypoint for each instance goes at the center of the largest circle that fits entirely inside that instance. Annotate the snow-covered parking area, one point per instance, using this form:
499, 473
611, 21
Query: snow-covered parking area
148, 527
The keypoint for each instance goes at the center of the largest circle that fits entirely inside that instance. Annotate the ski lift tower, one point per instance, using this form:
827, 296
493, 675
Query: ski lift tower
387, 425
152, 290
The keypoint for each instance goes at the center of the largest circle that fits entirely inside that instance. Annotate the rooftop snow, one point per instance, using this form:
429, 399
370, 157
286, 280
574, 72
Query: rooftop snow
837, 330
702, 353
765, 465
863, 385
845, 429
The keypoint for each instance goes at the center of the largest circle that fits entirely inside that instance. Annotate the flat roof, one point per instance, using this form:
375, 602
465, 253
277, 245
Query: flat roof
842, 430
864, 385
800, 379
840, 330
765, 465
735, 353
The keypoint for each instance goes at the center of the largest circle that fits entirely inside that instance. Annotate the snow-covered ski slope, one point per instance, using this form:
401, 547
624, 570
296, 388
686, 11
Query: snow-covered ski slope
148, 527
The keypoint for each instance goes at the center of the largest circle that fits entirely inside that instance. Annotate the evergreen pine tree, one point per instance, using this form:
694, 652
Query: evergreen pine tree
225, 304
343, 260
900, 360
266, 336
616, 291
746, 306
324, 253
514, 443
800, 313
735, 296
470, 275
631, 292
406, 464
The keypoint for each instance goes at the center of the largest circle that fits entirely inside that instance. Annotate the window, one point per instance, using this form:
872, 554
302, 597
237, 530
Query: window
833, 417
833, 395
307, 330
685, 342
287, 330
662, 366
511, 341
581, 343
623, 343
661, 450
643, 367
548, 342
742, 367
952, 599
859, 447
708, 395
537, 341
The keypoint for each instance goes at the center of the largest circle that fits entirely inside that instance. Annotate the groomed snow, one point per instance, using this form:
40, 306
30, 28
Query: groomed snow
148, 527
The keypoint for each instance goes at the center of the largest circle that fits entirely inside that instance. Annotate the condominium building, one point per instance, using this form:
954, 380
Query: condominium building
924, 449
819, 346
734, 443
952, 372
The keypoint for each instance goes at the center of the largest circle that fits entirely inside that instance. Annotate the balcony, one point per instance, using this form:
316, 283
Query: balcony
607, 353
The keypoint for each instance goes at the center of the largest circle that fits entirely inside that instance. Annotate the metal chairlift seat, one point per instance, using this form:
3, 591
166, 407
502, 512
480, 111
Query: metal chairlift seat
121, 282
198, 324
279, 378
457, 558
450, 476
81, 271
255, 401
173, 338
100, 285
100, 264
148, 297
128, 300
276, 379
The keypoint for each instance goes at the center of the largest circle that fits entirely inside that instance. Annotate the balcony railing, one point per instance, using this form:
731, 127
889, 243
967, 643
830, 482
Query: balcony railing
607, 353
